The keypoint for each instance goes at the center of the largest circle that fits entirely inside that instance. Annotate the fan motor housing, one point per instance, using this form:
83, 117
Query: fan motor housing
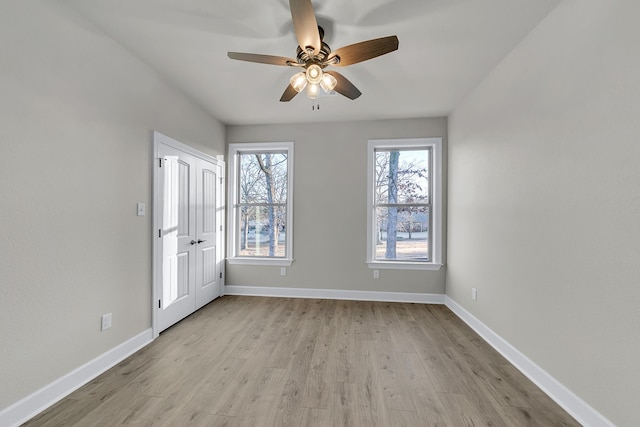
306, 57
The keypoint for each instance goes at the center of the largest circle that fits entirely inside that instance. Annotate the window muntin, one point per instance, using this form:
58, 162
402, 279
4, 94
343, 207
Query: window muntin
404, 218
261, 213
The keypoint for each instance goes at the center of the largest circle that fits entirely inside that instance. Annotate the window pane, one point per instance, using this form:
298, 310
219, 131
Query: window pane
263, 178
402, 234
402, 176
262, 231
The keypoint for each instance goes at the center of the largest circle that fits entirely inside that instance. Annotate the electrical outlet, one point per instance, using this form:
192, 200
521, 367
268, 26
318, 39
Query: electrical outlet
376, 274
283, 271
106, 321
474, 294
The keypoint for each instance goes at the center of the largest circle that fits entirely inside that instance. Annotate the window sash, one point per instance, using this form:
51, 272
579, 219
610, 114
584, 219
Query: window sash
282, 255
429, 202
260, 242
427, 152
422, 184
399, 257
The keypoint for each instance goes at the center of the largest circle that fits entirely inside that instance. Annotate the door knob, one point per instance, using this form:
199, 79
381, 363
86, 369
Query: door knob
200, 241
193, 242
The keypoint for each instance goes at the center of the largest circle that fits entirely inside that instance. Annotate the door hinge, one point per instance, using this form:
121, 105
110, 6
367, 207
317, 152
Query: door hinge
221, 228
220, 181
159, 303
160, 162
221, 274
159, 233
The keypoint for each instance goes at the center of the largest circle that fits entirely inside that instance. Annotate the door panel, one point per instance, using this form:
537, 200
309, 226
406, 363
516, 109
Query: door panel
207, 269
178, 230
176, 285
177, 223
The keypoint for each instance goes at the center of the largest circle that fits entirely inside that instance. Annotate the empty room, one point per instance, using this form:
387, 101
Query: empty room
319, 213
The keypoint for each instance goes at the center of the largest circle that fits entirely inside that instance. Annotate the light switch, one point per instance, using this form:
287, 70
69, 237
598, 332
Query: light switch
141, 209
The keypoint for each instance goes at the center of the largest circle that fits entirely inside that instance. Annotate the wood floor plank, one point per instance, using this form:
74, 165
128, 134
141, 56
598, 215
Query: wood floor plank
317, 389
348, 408
260, 408
396, 390
299, 367
221, 378
429, 409
312, 417
255, 361
67, 412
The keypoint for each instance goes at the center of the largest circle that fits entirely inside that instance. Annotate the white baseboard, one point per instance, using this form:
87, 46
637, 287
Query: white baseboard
40, 400
335, 294
574, 405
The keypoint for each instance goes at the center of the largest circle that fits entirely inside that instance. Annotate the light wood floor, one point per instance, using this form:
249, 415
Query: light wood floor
250, 361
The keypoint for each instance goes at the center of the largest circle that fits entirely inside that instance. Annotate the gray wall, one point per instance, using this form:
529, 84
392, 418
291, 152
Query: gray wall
544, 202
330, 206
76, 115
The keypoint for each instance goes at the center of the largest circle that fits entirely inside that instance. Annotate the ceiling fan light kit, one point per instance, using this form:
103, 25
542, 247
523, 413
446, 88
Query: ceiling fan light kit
299, 81
313, 91
314, 55
314, 74
328, 83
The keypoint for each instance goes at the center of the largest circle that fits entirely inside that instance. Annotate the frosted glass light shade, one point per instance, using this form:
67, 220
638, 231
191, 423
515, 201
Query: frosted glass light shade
314, 74
328, 82
298, 81
312, 91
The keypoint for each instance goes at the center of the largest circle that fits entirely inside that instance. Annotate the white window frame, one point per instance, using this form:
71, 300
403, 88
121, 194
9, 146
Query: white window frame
233, 195
436, 203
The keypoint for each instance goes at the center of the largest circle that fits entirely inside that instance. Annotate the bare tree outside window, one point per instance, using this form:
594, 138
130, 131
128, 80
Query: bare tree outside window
402, 204
262, 203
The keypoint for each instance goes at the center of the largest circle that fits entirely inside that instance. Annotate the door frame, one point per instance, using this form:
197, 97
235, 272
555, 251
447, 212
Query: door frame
156, 263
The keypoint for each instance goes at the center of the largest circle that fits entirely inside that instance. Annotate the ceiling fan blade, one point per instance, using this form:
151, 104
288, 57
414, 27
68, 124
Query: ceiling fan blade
363, 51
288, 94
344, 86
262, 59
305, 24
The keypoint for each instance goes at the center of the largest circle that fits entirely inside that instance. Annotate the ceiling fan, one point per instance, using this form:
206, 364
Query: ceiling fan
314, 56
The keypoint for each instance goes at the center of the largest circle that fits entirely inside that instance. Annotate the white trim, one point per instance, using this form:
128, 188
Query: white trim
278, 262
569, 401
159, 138
232, 194
436, 212
399, 265
335, 294
48, 395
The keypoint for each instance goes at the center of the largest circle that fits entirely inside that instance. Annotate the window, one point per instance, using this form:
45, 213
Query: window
260, 194
404, 204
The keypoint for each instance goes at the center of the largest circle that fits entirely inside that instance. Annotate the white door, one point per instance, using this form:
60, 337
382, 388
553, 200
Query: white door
190, 212
208, 214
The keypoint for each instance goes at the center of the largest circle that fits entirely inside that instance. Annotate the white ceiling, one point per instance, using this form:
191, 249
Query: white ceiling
446, 48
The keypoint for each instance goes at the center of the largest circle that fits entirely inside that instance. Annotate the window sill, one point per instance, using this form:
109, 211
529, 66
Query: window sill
278, 262
381, 265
